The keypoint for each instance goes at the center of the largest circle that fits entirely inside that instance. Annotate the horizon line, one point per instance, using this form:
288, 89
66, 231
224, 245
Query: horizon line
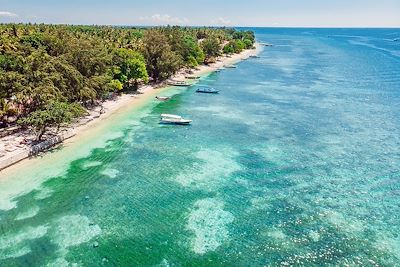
202, 26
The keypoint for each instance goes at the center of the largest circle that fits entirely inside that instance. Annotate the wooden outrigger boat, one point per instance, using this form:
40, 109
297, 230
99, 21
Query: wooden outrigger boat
163, 98
192, 77
174, 119
178, 83
207, 90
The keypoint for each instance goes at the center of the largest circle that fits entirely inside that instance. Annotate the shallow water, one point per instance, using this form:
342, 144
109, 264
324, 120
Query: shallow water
295, 162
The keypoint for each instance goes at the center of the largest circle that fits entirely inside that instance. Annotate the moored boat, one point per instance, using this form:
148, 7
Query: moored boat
207, 90
174, 119
230, 66
163, 98
192, 77
178, 83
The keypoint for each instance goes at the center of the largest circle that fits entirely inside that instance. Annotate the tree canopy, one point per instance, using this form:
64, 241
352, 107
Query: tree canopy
45, 67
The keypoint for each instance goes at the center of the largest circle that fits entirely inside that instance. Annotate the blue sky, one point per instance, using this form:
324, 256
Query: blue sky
275, 13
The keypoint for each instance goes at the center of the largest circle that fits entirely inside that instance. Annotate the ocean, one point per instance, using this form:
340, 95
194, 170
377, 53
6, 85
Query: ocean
296, 162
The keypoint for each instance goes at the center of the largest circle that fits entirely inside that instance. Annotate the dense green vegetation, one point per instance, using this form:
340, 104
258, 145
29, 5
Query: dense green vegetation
44, 68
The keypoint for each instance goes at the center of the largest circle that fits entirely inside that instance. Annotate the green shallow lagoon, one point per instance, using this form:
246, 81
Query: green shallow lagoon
295, 163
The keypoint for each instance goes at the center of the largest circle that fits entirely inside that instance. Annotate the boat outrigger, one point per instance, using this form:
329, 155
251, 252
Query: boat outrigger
192, 77
163, 98
178, 83
207, 90
174, 119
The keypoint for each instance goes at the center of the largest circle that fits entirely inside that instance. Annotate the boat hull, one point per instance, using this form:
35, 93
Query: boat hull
176, 122
160, 98
205, 92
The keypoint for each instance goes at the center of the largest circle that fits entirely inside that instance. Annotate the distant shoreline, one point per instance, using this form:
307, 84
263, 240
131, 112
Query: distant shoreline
110, 107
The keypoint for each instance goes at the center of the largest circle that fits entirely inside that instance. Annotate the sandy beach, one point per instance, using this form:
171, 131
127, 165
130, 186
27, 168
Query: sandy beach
13, 150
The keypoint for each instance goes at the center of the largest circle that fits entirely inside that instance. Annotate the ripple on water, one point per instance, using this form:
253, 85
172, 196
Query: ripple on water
74, 230
214, 167
14, 245
14, 252
386, 243
112, 173
346, 224
71, 230
91, 164
209, 223
27, 213
164, 263
43, 193
59, 262
7, 204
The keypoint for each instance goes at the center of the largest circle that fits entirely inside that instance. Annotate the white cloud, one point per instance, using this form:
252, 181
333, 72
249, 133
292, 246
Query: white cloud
221, 22
164, 19
8, 14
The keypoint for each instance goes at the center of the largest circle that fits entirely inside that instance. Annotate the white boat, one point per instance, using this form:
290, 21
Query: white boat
178, 83
174, 119
171, 116
207, 90
162, 98
192, 77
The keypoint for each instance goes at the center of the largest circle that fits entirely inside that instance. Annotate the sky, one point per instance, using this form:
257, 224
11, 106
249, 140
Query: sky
261, 13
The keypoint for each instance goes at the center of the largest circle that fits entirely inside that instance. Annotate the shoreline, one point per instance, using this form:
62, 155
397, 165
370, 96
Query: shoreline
68, 135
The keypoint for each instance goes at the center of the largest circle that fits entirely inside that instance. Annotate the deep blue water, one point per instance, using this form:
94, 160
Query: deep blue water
295, 163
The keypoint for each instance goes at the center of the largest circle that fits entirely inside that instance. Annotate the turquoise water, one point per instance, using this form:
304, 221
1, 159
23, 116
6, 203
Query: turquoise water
295, 162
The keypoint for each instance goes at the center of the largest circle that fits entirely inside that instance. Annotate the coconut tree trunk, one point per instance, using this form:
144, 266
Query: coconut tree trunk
40, 133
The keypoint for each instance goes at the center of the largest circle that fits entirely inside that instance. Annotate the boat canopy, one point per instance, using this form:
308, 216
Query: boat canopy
171, 116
